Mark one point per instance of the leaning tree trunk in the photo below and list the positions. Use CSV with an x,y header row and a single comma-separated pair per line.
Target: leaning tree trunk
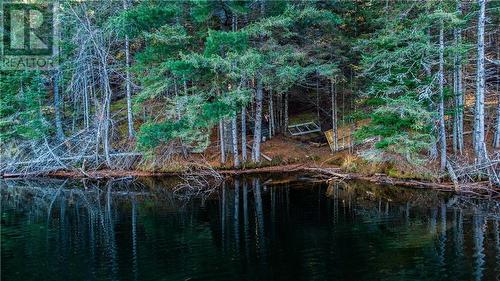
x,y
128,82
234,132
442,129
258,121
479,142
458,124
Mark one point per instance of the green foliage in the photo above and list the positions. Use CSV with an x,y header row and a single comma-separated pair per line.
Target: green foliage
x,y
201,74
146,16
404,127
198,115
219,42
166,42
22,106
194,63
397,62
329,70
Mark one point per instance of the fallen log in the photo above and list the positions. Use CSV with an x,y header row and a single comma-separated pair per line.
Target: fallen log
x,y
379,179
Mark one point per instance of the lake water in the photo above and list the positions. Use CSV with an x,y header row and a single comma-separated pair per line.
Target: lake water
x,y
263,228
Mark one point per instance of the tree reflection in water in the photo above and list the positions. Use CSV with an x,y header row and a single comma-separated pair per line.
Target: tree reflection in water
x,y
249,228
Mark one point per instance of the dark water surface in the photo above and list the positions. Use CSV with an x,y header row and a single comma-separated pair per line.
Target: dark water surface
x,y
250,229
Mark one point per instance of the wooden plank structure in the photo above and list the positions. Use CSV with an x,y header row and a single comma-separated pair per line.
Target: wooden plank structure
x,y
304,128
344,139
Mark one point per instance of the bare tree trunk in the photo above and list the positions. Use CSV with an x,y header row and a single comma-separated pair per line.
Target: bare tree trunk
x,y
280,112
74,115
496,139
458,124
129,90
285,127
128,82
56,80
86,108
222,142
258,121
228,137
259,96
234,120
57,106
234,131
244,134
334,116
343,119
317,101
433,150
271,115
479,142
442,129
177,107
107,118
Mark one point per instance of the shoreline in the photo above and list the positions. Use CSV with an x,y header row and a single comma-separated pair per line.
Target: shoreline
x,y
326,174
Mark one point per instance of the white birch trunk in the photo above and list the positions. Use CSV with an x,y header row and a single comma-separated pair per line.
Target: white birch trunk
x,y
244,134
442,129
458,127
259,95
479,142
128,82
222,142
280,112
257,137
234,131
107,118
